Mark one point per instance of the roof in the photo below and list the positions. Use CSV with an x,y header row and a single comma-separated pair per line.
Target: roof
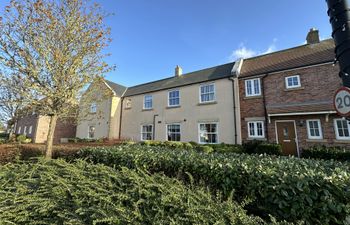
x,y
308,106
305,55
117,88
214,73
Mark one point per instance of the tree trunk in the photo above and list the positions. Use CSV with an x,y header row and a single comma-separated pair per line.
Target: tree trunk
x,y
50,135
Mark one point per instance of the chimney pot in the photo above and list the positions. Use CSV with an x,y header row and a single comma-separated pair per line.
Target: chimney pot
x,y
178,71
313,36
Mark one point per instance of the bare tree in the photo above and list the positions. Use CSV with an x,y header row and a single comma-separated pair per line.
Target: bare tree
x,y
51,49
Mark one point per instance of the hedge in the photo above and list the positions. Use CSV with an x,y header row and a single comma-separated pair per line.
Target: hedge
x,y
57,192
323,152
317,192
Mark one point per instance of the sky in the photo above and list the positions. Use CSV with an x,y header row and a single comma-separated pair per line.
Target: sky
x,y
151,37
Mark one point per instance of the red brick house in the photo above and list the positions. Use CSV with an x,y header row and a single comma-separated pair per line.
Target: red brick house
x,y
286,97
36,128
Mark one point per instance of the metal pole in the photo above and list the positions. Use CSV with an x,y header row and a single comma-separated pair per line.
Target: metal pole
x,y
339,13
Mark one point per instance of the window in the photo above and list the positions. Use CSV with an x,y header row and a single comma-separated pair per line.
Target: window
x,y
30,130
93,108
91,132
25,130
174,98
173,132
252,87
146,132
148,102
314,130
207,93
208,133
342,129
19,130
256,129
293,81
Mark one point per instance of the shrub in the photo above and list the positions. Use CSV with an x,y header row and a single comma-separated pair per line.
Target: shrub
x,y
21,138
58,192
204,148
323,152
317,192
227,148
250,147
270,149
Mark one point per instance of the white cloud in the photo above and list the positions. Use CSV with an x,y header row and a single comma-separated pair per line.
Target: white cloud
x,y
243,52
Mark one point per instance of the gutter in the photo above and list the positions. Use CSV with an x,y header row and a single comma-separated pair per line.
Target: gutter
x,y
234,109
121,117
154,126
265,109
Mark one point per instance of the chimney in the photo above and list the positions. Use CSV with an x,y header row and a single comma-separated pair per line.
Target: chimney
x,y
178,71
313,37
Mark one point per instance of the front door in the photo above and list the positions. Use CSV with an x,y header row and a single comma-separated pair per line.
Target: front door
x,y
287,137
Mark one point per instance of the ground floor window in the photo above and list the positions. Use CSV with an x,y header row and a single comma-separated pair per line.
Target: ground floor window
x,y
342,129
19,130
91,132
208,133
30,130
256,129
173,132
146,132
314,130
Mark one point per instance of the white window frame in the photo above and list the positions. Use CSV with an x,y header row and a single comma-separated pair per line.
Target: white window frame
x,y
146,132
89,131
319,127
217,132
144,102
25,130
292,86
93,107
30,130
167,132
128,103
256,129
337,131
169,98
19,130
254,93
200,93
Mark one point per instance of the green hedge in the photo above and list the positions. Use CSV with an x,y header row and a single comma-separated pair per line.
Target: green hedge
x,y
323,152
261,147
57,192
317,192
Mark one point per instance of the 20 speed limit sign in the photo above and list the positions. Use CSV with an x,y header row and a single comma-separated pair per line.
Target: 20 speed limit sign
x,y
342,101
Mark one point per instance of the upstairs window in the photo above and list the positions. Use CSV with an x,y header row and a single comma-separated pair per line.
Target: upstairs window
x,y
91,134
93,108
342,129
148,102
256,129
128,103
293,81
207,93
146,132
252,87
174,98
314,130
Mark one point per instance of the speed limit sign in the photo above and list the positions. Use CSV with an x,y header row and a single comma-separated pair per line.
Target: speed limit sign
x,y
342,101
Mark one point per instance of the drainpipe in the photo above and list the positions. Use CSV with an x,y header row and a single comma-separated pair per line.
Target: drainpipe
x,y
154,126
121,118
234,108
264,102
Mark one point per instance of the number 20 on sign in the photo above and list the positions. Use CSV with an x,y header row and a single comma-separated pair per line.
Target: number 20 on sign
x,y
342,101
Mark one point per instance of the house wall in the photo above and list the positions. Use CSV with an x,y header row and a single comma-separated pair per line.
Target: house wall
x,y
188,115
27,121
318,85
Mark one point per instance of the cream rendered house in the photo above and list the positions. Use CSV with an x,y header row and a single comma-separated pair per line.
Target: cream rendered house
x,y
202,106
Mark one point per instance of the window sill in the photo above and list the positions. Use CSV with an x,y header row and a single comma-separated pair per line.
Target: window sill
x,y
173,107
145,110
316,140
342,141
294,89
207,103
257,138
253,97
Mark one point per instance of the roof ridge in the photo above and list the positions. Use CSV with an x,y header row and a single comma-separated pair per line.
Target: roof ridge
x,y
287,49
185,74
115,83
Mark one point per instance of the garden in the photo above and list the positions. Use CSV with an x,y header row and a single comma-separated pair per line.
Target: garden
x,y
173,183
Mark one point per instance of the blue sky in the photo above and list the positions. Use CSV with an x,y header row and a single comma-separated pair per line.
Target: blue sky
x,y
151,37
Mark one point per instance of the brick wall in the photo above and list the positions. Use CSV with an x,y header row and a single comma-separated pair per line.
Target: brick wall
x,y
27,121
